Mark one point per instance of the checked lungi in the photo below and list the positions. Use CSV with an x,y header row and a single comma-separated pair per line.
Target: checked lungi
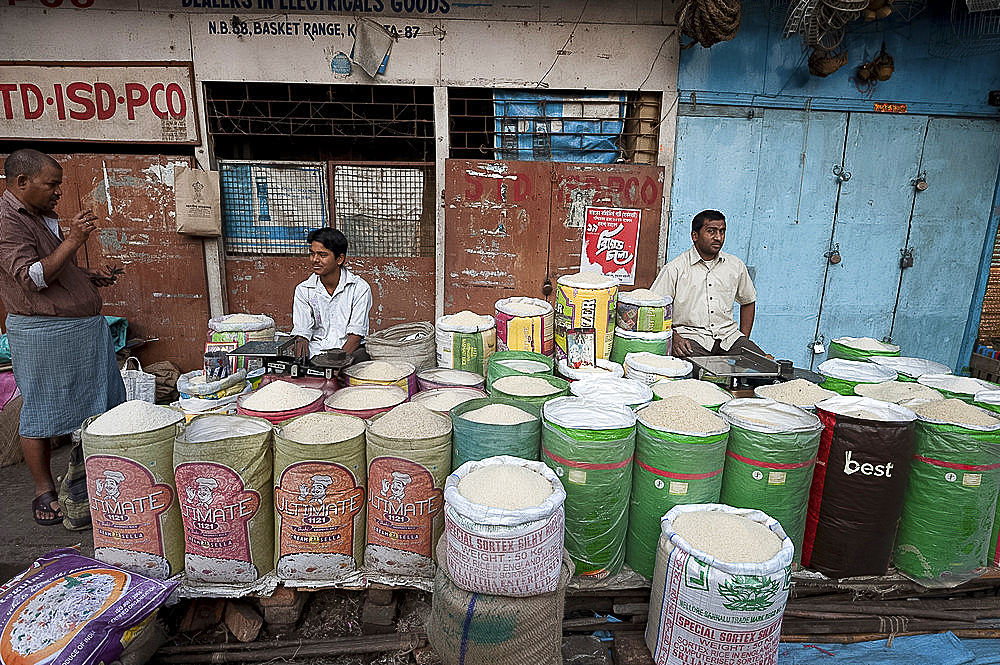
x,y
66,370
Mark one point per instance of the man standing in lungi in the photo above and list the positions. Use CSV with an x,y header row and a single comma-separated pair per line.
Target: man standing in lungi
x,y
60,345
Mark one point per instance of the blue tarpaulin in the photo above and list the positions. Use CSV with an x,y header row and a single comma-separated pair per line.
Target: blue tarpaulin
x,y
937,649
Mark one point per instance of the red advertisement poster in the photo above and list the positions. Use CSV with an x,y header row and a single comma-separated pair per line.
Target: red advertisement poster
x,y
610,238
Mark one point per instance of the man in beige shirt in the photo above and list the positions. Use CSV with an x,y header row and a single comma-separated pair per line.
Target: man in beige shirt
x,y
704,282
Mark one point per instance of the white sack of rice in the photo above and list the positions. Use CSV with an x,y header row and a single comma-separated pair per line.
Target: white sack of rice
x,y
498,414
506,486
956,412
525,386
323,428
410,420
588,279
133,417
797,392
727,537
680,414
897,391
668,364
963,385
701,392
446,399
364,398
468,319
866,344
525,366
379,370
280,396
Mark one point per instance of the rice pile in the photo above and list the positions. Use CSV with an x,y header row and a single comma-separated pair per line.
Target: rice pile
x,y
644,294
280,396
526,366
523,308
681,414
323,428
505,486
525,386
451,377
498,414
797,392
133,417
244,318
587,279
410,420
897,391
446,399
467,319
728,537
865,344
666,363
701,392
955,412
379,370
364,398
957,384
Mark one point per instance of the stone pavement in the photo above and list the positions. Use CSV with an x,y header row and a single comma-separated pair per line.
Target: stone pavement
x,y
21,540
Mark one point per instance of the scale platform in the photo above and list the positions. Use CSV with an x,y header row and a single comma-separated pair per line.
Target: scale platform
x,y
744,368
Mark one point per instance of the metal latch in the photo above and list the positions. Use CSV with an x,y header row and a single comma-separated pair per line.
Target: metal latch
x,y
833,256
840,173
817,346
905,258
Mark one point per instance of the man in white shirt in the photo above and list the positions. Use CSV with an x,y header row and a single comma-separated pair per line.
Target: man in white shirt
x,y
330,309
704,282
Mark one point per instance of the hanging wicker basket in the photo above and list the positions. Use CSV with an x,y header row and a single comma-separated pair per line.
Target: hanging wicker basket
x,y
824,63
883,65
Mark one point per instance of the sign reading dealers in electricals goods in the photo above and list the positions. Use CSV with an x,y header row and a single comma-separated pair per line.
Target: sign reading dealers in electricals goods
x,y
134,103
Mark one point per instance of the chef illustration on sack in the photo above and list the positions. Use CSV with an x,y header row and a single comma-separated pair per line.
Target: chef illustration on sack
x,y
395,490
203,494
316,492
110,485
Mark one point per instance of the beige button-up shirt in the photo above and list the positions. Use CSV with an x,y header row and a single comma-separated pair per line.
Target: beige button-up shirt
x,y
704,294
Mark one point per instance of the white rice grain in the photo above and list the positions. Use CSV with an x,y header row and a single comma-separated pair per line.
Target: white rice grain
x,y
379,370
680,414
365,398
498,414
727,537
525,366
410,420
701,392
467,319
133,417
956,412
588,279
505,486
525,386
896,391
446,399
323,428
797,392
523,308
280,396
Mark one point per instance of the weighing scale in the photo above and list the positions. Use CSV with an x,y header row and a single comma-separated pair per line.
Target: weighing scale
x,y
278,357
747,370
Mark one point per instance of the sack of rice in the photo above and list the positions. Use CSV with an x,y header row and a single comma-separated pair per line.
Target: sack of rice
x,y
280,400
642,310
770,460
382,373
495,426
964,388
194,384
651,367
626,342
680,449
842,376
797,392
705,393
508,363
897,392
524,324
586,300
950,503
600,368
409,458
465,341
720,587
365,401
70,609
442,377
196,406
504,526
536,389
910,369
223,468
319,497
629,392
413,343
987,399
863,461
241,328
860,348
466,628
130,481
590,445
444,400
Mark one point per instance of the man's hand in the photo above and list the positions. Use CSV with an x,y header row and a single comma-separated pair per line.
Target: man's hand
x,y
81,225
681,347
101,280
301,349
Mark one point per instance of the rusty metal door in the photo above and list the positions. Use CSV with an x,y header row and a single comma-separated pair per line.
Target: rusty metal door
x,y
511,227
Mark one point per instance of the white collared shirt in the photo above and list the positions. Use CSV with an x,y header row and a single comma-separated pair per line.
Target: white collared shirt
x,y
704,294
326,320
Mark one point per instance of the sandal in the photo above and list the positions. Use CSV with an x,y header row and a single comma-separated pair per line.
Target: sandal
x,y
43,505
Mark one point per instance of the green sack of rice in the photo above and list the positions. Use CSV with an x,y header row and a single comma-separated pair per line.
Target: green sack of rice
x,y
841,376
860,348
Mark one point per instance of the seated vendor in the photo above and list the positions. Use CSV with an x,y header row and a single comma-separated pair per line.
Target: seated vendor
x,y
330,309
704,282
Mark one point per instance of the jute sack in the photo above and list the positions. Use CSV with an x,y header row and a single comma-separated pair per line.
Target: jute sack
x,y
223,469
466,628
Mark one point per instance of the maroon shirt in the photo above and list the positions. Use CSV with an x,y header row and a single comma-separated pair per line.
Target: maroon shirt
x,y
24,239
